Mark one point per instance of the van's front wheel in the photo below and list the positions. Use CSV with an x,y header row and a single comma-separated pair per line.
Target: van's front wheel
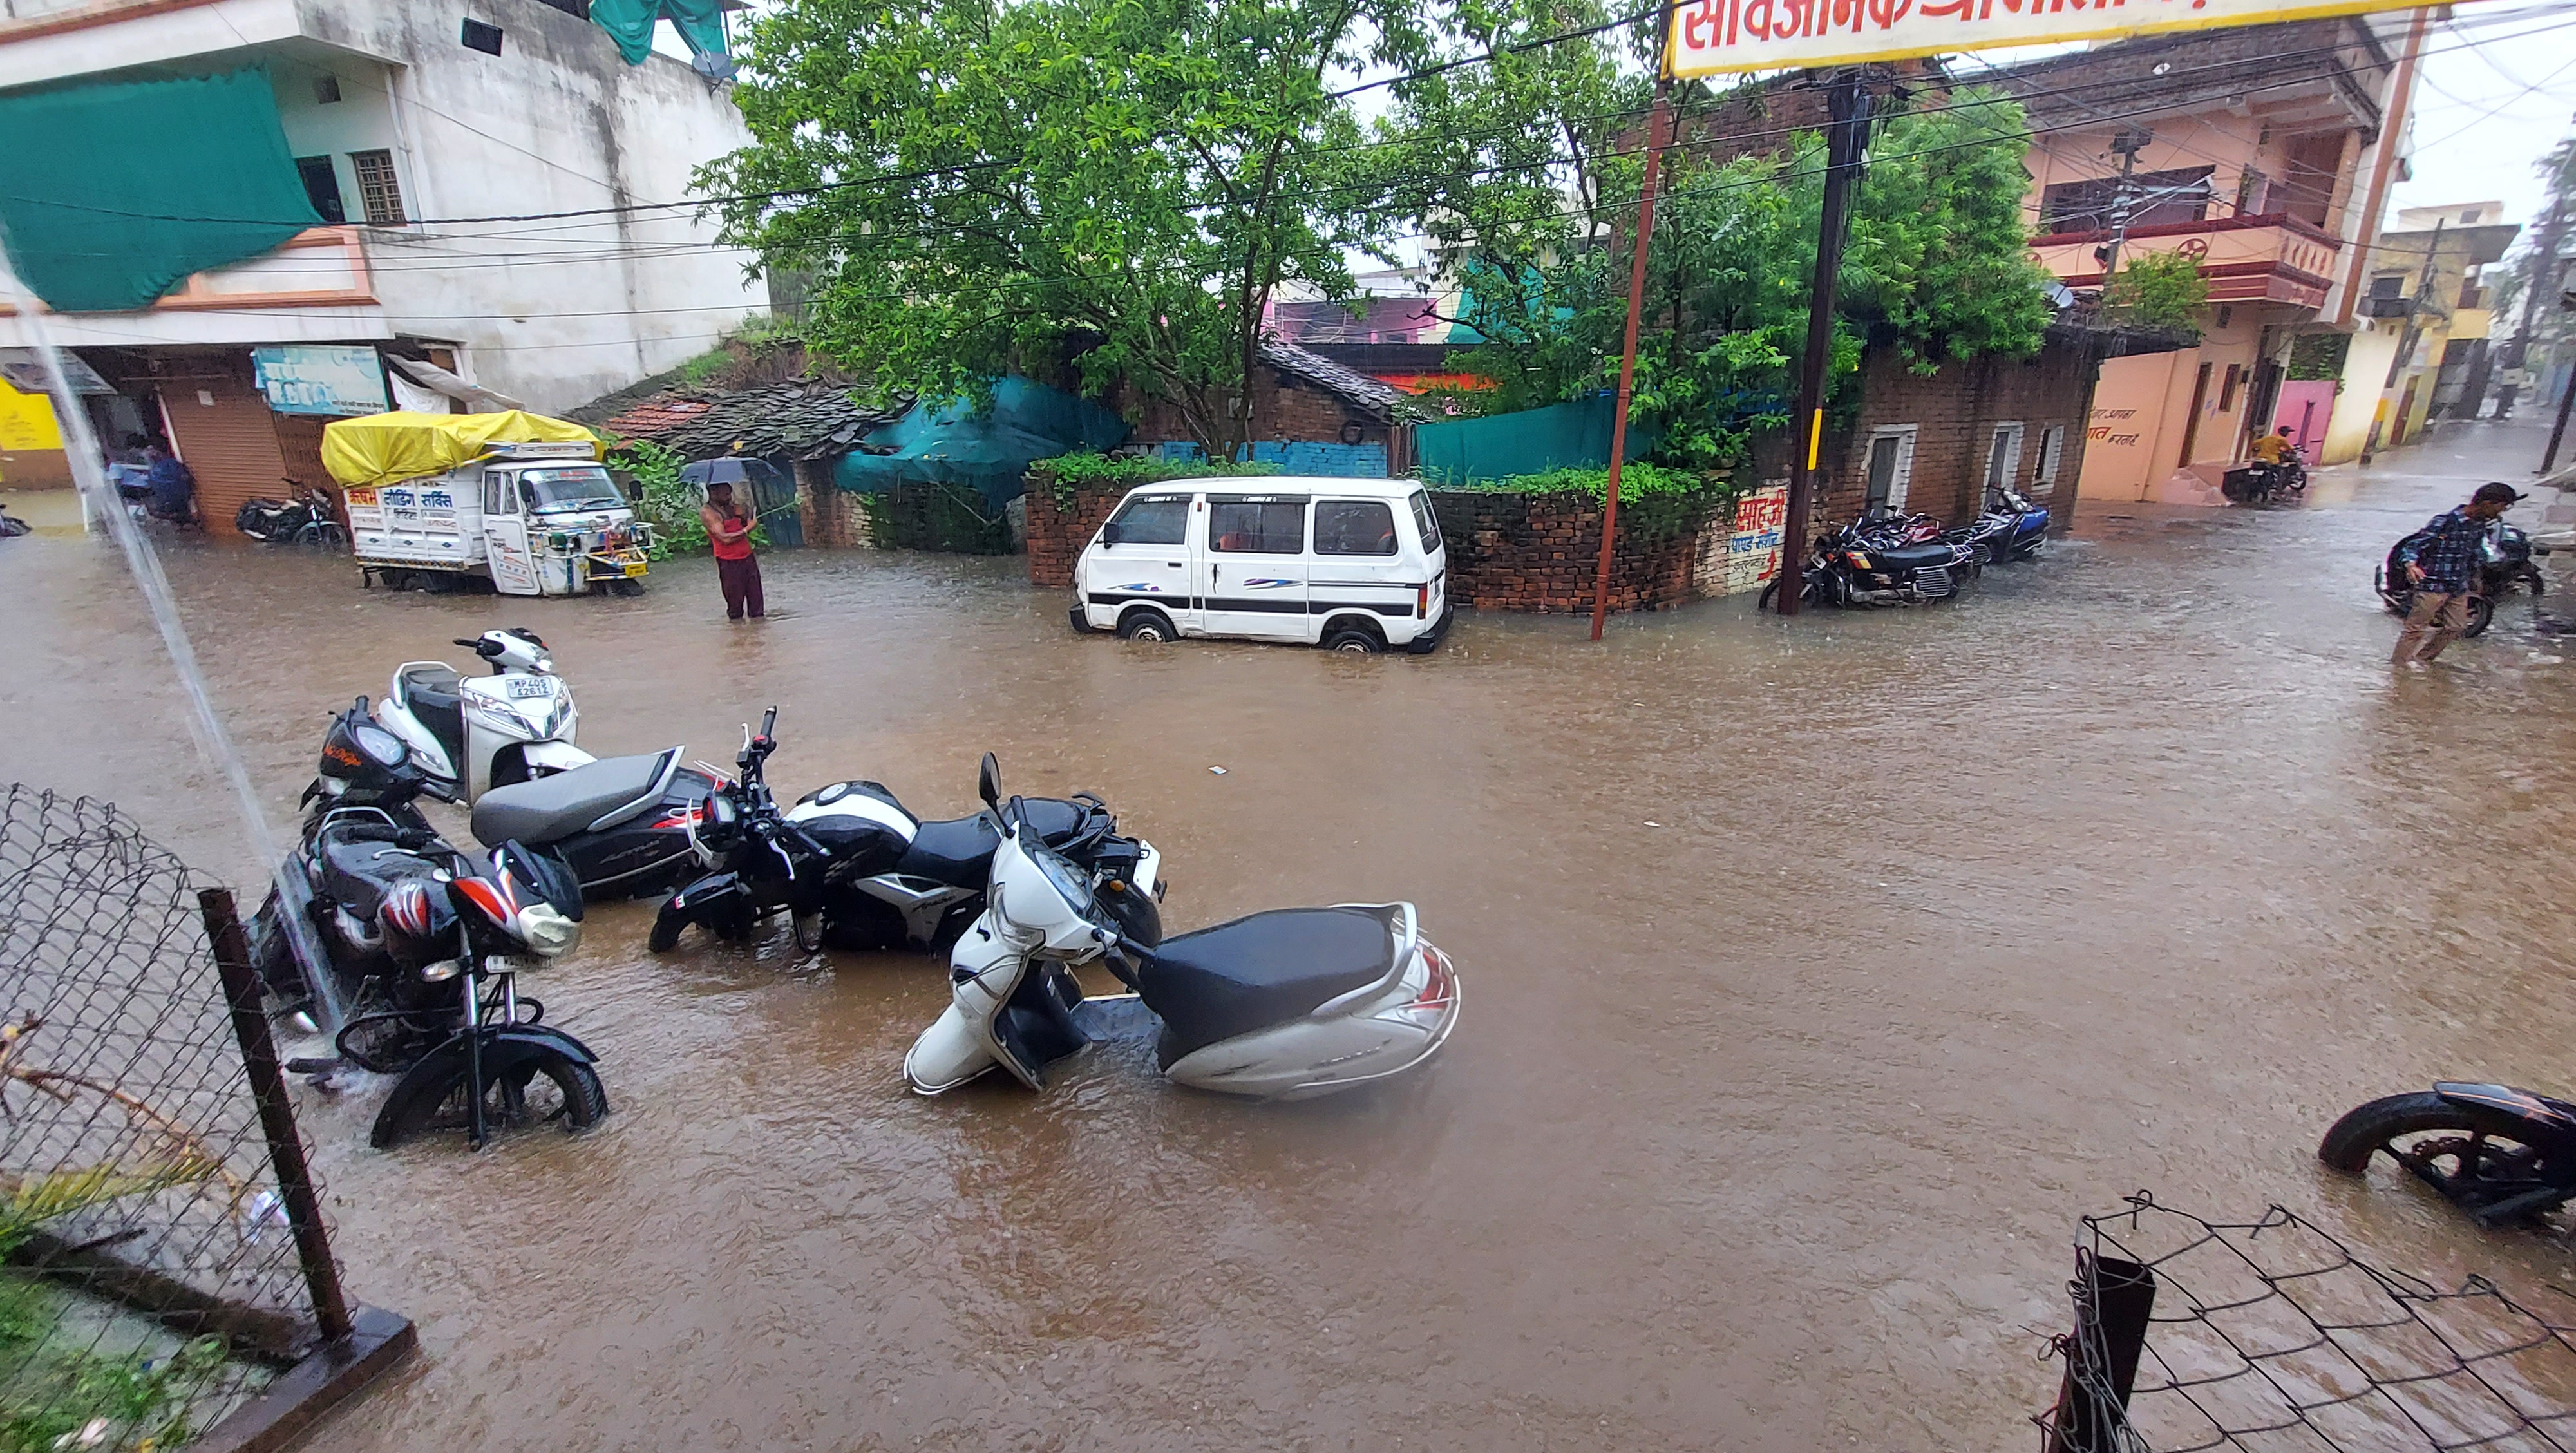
x,y
1146,625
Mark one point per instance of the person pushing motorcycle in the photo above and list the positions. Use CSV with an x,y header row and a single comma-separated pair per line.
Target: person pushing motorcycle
x,y
2440,560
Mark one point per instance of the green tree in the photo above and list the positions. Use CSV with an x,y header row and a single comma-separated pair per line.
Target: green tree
x,y
1936,267
2158,290
979,186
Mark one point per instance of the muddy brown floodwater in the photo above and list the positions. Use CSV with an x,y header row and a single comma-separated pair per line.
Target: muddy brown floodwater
x,y
1818,976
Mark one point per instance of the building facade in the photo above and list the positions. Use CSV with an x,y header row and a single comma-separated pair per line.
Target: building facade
x,y
2263,155
498,208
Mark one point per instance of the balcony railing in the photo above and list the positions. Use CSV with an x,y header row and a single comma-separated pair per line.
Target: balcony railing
x,y
320,267
2265,258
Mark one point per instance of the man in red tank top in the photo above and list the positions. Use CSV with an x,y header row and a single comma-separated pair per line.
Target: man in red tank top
x,y
729,530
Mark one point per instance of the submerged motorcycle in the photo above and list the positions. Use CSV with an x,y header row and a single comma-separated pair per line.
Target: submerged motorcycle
x,y
854,869
477,733
2505,561
2502,1155
622,823
1285,1005
408,950
1850,568
470,932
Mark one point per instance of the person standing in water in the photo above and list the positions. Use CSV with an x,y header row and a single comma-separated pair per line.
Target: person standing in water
x,y
729,531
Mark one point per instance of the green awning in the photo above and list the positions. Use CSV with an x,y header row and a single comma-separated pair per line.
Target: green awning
x,y
115,191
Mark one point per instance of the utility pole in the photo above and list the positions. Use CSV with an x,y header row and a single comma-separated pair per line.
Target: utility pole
x,y
2128,143
2558,431
1845,141
2406,337
2543,283
1659,134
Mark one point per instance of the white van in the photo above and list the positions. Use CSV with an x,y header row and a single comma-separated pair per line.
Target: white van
x,y
1351,564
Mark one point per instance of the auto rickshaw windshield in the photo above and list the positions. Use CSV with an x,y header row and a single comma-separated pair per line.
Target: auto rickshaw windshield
x,y
580,486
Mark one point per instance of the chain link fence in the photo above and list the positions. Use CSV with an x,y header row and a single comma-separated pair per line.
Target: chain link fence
x,y
2271,1335
165,1260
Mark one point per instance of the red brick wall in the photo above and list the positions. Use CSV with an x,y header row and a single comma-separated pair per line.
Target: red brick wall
x,y
1282,408
1057,534
1954,412
1541,553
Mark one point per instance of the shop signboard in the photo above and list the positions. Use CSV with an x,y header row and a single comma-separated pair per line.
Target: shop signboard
x,y
336,382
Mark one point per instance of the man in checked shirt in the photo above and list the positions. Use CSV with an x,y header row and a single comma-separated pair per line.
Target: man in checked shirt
x,y
2441,560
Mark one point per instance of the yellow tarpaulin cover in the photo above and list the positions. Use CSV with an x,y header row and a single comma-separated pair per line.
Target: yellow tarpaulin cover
x,y
390,448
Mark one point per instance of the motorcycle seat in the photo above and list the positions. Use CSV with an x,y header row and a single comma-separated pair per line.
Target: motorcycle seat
x,y
592,797
434,695
1217,983
1912,557
959,851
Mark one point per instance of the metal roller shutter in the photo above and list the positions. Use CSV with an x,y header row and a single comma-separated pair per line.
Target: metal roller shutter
x,y
224,432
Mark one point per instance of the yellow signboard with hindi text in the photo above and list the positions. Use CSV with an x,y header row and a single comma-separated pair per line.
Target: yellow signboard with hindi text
x,y
1718,37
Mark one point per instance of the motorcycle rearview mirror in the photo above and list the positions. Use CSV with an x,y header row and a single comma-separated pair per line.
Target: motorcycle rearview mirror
x,y
988,782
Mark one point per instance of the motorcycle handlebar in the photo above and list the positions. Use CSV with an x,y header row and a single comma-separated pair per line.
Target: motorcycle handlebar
x,y
768,721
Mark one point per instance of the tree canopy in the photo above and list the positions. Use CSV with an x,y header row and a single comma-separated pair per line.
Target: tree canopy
x,y
1124,186
981,185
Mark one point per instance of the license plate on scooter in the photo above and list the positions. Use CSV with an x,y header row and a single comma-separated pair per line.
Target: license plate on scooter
x,y
634,569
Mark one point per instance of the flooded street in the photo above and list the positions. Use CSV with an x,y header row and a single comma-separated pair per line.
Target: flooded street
x,y
1818,976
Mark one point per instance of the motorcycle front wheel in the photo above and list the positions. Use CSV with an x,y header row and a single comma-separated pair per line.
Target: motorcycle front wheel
x,y
1808,594
2474,1157
537,1090
2481,616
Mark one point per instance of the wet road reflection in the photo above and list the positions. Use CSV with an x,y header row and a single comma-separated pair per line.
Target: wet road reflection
x,y
1819,977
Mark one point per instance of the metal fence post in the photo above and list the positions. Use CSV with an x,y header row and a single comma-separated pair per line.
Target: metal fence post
x,y
276,1114
2113,1298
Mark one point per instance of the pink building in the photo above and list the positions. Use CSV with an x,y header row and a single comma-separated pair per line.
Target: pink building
x,y
2262,154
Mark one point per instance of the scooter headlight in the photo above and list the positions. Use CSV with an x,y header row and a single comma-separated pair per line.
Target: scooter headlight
x,y
546,930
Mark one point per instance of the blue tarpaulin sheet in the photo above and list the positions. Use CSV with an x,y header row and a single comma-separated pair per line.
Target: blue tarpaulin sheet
x,y
948,444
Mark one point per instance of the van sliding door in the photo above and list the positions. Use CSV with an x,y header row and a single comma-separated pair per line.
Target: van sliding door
x,y
1256,566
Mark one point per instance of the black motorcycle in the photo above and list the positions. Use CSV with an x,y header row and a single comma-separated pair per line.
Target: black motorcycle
x,y
2505,562
308,518
1854,567
471,933
623,823
853,868
2501,1154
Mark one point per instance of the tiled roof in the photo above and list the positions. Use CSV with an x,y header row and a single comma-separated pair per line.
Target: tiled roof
x,y
803,418
1379,400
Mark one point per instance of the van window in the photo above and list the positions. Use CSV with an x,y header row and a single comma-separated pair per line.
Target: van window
x,y
1239,526
1154,520
1425,522
1354,527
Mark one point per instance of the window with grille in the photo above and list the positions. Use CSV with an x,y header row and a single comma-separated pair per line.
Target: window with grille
x,y
378,193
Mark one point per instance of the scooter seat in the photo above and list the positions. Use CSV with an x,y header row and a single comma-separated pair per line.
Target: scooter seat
x,y
434,694
959,851
1263,970
590,798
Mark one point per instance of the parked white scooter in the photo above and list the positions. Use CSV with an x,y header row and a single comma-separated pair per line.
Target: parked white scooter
x,y
1284,1005
477,733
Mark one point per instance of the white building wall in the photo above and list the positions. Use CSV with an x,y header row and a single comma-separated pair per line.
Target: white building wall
x,y
550,312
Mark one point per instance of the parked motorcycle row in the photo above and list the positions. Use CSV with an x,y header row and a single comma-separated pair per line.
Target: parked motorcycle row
x,y
1885,558
406,949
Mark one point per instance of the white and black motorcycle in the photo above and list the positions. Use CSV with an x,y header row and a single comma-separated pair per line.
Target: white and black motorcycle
x,y
1285,1005
481,732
